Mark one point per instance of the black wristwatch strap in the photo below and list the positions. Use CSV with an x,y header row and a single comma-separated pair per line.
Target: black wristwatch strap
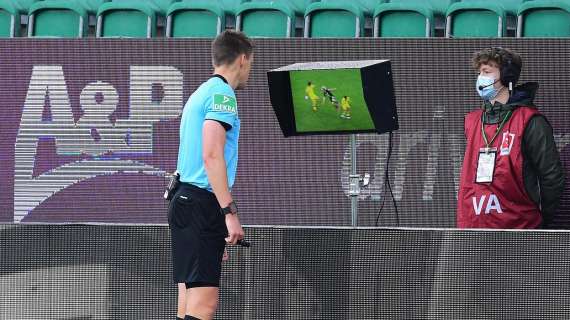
x,y
230,209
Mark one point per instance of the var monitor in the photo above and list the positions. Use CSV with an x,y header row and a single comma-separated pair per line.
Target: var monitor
x,y
334,97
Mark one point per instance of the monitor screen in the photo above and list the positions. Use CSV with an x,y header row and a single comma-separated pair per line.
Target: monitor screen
x,y
333,97
329,100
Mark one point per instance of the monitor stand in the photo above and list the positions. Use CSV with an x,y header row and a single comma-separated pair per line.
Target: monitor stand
x,y
355,182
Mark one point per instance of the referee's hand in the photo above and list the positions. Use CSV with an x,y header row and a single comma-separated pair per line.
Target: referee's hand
x,y
235,231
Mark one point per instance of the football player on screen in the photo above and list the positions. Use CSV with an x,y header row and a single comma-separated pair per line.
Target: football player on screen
x,y
328,94
345,105
310,95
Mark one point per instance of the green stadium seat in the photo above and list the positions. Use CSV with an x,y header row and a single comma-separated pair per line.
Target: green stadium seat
x,y
266,19
404,19
544,18
9,19
476,19
129,19
57,18
334,19
195,19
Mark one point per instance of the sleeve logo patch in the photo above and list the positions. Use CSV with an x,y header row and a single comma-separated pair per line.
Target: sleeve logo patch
x,y
223,103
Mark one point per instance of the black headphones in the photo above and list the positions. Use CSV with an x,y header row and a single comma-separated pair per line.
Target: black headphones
x,y
510,71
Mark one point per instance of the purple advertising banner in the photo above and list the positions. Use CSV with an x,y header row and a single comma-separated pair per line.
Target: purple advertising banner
x,y
89,128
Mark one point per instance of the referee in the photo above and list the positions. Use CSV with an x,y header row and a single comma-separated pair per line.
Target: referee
x,y
202,215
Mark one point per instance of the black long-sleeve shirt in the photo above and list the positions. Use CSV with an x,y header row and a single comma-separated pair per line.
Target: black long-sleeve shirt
x,y
543,174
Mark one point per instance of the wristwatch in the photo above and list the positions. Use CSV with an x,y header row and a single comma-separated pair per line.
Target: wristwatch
x,y
230,209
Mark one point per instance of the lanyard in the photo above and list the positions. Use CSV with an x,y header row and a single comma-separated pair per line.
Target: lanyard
x,y
488,144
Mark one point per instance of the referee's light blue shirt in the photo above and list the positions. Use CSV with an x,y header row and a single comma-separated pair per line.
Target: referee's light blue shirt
x,y
213,100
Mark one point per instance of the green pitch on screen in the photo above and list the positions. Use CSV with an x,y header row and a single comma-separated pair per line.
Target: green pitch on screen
x,y
326,116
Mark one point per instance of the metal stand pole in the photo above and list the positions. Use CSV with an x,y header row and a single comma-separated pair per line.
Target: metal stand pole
x,y
354,181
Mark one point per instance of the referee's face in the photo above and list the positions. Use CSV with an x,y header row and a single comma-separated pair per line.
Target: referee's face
x,y
245,67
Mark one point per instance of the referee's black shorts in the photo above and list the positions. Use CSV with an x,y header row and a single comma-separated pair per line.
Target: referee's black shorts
x,y
197,230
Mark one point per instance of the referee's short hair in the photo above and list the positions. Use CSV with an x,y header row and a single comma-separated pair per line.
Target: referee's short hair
x,y
229,45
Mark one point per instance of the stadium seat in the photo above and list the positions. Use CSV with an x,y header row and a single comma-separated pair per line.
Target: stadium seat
x,y
199,18
544,18
266,19
10,16
9,19
129,19
195,19
57,18
334,18
482,19
404,19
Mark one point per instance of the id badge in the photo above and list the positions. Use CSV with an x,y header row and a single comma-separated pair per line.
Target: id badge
x,y
486,165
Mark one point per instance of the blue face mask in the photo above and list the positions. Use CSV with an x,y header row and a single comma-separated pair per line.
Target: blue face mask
x,y
488,92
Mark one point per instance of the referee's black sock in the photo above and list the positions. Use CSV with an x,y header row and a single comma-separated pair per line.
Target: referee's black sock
x,y
189,317
178,318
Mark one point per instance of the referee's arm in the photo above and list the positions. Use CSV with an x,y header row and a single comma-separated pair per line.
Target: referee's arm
x,y
214,140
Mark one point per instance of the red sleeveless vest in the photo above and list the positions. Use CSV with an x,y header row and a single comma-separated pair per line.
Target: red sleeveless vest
x,y
504,202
